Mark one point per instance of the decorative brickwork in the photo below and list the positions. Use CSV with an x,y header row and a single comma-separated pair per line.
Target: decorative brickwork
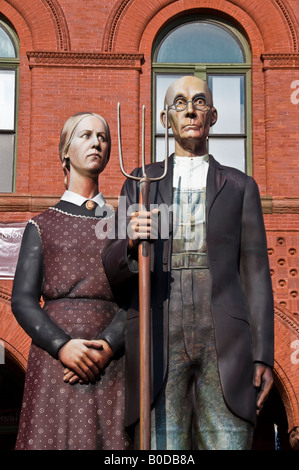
x,y
77,59
283,249
280,61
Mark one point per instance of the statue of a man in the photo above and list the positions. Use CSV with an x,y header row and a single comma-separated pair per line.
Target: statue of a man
x,y
211,295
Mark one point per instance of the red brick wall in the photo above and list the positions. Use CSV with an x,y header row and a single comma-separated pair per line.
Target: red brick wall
x,y
92,57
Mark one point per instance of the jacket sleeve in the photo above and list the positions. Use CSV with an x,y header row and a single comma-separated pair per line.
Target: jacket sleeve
x,y
120,268
26,294
255,275
119,265
115,333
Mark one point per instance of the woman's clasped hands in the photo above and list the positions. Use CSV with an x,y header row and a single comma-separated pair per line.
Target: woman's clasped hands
x,y
84,360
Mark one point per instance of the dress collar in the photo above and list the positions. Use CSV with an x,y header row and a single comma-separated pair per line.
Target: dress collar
x,y
78,200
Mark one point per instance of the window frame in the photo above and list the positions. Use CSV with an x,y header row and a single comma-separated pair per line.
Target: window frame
x,y
203,70
13,64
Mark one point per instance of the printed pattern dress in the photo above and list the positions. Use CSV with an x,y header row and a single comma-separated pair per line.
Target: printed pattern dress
x,y
56,415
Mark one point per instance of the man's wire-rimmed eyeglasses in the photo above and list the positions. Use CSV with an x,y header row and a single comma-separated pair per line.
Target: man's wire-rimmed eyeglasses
x,y
199,102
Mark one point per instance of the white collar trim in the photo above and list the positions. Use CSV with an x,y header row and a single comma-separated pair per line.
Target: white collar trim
x,y
78,200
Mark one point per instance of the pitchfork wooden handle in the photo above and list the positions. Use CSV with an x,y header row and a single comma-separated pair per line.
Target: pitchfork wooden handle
x,y
144,251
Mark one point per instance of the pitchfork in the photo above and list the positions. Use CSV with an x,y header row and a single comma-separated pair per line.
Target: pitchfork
x,y
144,284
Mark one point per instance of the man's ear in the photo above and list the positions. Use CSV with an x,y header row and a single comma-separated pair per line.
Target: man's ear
x,y
214,117
163,118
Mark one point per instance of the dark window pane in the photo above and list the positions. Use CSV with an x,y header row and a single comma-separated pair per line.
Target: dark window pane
x,y
6,159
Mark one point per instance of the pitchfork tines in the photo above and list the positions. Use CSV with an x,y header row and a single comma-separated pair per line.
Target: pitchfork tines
x,y
144,176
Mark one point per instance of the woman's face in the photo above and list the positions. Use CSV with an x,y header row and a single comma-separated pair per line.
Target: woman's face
x,y
89,148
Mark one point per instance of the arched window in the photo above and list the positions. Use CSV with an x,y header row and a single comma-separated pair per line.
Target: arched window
x,y
9,63
215,51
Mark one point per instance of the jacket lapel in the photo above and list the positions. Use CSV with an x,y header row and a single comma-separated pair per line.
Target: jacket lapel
x,y
215,182
165,185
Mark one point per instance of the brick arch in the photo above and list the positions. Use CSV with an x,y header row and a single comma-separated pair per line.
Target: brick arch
x,y
46,22
15,340
20,25
117,15
286,367
61,28
240,19
291,21
123,32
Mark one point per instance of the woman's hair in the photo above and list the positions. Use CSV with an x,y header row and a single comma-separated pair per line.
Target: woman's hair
x,y
67,135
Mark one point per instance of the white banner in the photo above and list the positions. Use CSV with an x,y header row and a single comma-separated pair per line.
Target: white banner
x,y
10,242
